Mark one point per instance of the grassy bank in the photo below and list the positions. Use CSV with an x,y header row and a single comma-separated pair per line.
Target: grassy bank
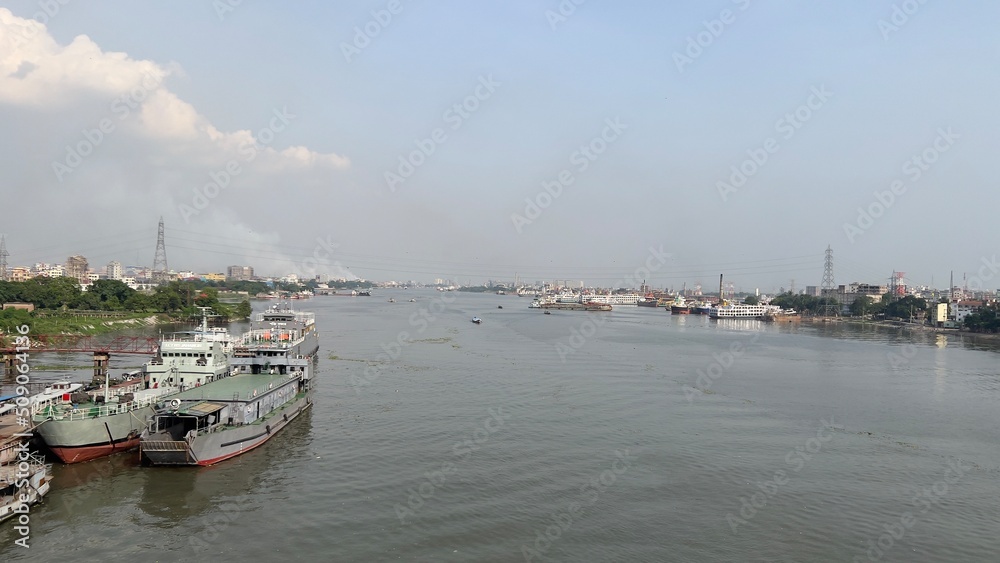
x,y
78,325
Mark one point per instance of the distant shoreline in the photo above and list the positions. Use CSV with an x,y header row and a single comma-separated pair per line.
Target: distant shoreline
x,y
989,337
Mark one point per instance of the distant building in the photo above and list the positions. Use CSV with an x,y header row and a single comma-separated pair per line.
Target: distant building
x,y
813,290
76,267
214,277
114,270
239,273
846,295
938,314
20,274
50,271
962,309
26,306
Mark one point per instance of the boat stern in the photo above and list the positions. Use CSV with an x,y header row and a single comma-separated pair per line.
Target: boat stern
x,y
166,452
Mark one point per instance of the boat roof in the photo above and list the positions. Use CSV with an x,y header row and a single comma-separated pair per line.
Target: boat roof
x,y
8,397
226,388
203,408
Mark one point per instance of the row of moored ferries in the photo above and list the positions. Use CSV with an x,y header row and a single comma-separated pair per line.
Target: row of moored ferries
x,y
677,305
204,397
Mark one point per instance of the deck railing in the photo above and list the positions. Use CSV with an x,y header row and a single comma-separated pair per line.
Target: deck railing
x,y
67,412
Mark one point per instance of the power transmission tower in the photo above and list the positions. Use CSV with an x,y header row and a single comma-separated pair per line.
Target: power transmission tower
x,y
160,260
829,308
3,258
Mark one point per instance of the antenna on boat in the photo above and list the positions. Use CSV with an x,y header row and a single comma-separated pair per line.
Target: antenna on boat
x,y
204,318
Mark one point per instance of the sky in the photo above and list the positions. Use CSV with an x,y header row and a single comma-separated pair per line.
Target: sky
x,y
582,140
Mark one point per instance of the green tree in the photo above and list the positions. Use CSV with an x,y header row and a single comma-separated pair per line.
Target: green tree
x,y
243,310
986,319
111,294
861,306
905,307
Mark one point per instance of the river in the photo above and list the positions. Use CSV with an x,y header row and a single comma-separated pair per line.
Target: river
x,y
630,435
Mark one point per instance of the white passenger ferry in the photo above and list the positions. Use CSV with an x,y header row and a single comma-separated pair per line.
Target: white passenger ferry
x,y
742,311
613,299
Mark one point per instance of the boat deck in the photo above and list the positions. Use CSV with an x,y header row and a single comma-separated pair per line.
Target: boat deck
x,y
226,388
10,426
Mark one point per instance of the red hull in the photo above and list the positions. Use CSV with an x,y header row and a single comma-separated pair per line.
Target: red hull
x,y
80,454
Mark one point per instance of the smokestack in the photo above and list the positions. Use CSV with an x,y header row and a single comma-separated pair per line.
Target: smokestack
x,y
720,290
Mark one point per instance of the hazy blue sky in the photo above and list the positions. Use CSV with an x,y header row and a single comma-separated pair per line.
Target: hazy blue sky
x,y
883,86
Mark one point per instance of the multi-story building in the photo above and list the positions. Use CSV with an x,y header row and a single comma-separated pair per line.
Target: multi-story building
x,y
76,267
846,295
962,309
213,277
114,270
239,273
20,274
938,314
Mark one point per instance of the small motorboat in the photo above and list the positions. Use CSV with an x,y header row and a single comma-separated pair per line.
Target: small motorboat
x,y
548,312
477,320
499,306
413,300
391,300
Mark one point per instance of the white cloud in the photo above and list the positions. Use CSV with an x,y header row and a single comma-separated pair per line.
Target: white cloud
x,y
156,150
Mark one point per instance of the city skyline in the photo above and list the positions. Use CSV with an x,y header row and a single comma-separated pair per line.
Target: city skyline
x,y
671,280
552,145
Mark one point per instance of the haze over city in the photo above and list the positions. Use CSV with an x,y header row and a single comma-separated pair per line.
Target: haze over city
x,y
475,141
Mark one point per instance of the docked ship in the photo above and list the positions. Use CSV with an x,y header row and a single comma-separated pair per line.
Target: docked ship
x,y
588,306
228,417
742,311
782,316
111,419
24,476
648,300
612,298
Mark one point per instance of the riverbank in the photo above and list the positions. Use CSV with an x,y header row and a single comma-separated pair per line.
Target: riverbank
x,y
78,325
992,339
